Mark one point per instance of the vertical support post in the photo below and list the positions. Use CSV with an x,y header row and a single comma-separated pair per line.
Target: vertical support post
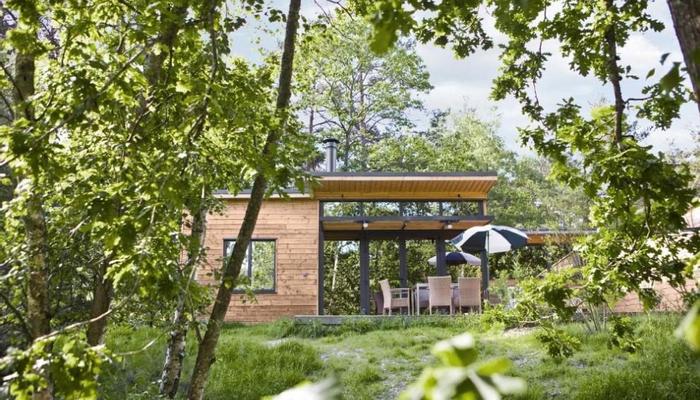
x,y
485,275
440,256
321,260
364,274
403,265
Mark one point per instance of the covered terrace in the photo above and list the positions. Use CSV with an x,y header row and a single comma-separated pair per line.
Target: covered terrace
x,y
364,207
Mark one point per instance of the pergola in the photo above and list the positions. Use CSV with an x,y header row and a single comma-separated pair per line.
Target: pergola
x,y
398,206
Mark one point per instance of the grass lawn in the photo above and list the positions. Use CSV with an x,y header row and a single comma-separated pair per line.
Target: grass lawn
x,y
377,361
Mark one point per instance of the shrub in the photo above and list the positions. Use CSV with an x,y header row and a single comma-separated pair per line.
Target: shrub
x,y
554,290
622,334
497,315
558,343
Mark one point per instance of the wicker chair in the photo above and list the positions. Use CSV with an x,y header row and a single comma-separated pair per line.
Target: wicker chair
x,y
469,293
440,289
395,298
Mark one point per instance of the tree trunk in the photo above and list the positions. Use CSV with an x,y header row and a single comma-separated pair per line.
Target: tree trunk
x,y
614,74
686,21
102,297
175,352
170,24
104,291
38,315
346,157
38,293
205,353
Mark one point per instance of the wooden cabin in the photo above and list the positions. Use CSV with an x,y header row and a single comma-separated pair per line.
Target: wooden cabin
x,y
284,266
285,261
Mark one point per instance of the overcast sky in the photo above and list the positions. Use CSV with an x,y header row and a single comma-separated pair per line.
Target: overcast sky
x,y
467,82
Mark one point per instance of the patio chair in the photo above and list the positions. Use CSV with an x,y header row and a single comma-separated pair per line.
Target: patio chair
x,y
469,293
394,298
440,292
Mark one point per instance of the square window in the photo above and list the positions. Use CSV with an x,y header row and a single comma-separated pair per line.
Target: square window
x,y
258,267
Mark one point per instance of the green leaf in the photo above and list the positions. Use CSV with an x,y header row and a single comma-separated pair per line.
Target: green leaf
x,y
689,329
183,86
672,79
495,366
458,351
508,384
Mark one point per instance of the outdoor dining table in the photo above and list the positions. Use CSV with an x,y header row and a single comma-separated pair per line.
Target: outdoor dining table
x,y
424,287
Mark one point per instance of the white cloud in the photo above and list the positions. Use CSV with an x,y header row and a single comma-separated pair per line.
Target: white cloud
x,y
469,80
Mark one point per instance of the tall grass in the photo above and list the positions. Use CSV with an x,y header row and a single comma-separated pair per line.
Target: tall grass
x,y
248,370
245,368
131,376
377,358
664,368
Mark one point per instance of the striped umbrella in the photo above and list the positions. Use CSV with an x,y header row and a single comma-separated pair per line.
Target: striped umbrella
x,y
457,258
492,238
489,239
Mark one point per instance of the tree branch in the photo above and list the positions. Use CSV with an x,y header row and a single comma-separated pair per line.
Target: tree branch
x,y
23,324
614,71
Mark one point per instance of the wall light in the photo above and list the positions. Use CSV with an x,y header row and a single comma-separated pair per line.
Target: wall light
x,y
449,226
365,225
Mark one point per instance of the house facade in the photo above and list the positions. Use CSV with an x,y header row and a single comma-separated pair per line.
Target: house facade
x,y
283,272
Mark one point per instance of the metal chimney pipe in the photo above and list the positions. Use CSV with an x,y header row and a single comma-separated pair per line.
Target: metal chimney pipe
x,y
330,145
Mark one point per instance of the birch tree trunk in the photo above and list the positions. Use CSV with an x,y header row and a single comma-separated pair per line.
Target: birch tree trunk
x,y
686,21
38,315
175,352
205,353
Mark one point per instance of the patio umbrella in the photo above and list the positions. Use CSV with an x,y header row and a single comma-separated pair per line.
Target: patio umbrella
x,y
489,239
492,238
457,258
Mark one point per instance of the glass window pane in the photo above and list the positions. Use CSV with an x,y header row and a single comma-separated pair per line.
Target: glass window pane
x,y
421,208
243,280
381,208
456,208
263,273
341,208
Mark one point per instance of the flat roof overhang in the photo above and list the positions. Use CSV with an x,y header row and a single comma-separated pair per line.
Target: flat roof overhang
x,y
391,227
404,186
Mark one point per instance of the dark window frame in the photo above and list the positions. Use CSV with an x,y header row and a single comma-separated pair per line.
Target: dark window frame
x,y
249,272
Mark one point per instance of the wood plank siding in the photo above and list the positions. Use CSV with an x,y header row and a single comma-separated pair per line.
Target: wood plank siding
x,y
398,187
293,224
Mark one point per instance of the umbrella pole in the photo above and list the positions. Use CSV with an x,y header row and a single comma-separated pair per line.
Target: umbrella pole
x,y
485,275
485,271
